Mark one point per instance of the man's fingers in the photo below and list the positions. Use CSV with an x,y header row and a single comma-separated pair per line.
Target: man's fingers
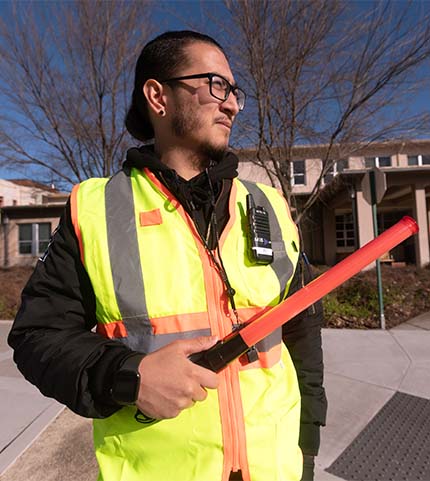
x,y
191,346
200,395
207,378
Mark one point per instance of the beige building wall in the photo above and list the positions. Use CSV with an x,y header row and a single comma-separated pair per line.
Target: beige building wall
x,y
402,160
14,194
356,163
2,244
12,257
422,238
255,173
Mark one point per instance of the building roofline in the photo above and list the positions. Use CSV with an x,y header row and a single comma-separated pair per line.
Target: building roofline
x,y
342,150
409,169
17,208
33,184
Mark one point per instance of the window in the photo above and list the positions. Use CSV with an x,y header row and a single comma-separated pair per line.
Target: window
x,y
330,174
342,165
371,162
334,169
384,161
418,159
298,174
34,238
345,231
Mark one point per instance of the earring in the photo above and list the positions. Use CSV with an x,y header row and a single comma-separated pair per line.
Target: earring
x,y
162,113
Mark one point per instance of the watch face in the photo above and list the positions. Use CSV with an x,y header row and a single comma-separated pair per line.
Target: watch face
x,y
125,387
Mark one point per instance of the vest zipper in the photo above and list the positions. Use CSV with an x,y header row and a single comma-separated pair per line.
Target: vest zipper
x,y
229,375
229,390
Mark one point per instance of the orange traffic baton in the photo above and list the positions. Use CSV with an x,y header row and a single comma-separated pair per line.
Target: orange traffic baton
x,y
247,335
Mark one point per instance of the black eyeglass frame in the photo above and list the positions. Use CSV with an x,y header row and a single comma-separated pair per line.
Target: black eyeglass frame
x,y
210,76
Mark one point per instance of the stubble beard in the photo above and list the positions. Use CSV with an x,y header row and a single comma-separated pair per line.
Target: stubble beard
x,y
184,124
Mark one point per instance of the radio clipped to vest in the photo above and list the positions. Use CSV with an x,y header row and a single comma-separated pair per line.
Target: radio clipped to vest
x,y
259,232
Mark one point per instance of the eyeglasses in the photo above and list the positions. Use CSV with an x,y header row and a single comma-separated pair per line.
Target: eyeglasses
x,y
219,87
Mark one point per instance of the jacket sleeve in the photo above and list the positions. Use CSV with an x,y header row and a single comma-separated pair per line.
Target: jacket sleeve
x,y
55,346
302,336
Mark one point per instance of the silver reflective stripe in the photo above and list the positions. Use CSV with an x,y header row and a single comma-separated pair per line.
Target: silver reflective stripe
x,y
137,341
140,342
281,264
272,340
125,257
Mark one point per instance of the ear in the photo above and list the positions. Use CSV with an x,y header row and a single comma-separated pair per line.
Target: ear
x,y
154,94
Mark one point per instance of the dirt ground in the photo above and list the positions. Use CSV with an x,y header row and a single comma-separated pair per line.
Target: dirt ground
x,y
63,452
12,282
355,304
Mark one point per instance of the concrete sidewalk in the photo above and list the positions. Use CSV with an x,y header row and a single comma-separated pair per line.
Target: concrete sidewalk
x,y
363,369
25,413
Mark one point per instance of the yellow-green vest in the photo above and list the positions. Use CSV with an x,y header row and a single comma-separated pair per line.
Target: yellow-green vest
x,y
155,283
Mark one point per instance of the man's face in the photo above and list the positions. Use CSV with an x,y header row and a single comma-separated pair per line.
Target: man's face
x,y
200,122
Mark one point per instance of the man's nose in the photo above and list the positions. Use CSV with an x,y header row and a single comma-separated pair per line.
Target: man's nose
x,y
230,104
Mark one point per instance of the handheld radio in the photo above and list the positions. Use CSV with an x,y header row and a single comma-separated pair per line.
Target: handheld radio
x,y
259,232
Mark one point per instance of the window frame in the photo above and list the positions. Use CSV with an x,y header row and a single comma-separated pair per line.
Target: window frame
x,y
334,170
37,245
377,162
342,244
420,160
293,175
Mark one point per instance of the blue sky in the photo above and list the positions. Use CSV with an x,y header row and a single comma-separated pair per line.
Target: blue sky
x,y
186,14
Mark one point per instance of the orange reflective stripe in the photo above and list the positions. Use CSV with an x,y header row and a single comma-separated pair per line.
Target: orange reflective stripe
x,y
232,211
240,416
287,207
74,214
181,211
180,323
217,303
112,330
249,314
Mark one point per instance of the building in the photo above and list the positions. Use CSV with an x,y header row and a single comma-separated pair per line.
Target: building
x,y
338,223
29,211
342,219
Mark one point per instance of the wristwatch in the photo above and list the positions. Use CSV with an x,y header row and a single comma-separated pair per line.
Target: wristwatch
x,y
126,381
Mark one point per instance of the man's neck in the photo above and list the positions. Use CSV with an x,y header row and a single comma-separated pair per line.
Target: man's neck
x,y
186,163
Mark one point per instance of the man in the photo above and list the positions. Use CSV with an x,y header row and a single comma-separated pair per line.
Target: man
x,y
158,259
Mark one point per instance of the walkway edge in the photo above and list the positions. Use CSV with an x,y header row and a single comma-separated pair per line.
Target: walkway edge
x,y
28,436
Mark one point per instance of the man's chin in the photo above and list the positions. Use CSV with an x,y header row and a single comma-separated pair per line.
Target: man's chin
x,y
214,152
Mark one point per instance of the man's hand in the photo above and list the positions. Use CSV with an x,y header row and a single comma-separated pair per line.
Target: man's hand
x,y
170,382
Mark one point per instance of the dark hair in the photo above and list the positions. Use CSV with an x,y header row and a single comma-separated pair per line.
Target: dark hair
x,y
159,59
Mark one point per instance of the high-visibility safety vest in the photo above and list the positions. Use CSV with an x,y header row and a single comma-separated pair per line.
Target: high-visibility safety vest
x,y
155,283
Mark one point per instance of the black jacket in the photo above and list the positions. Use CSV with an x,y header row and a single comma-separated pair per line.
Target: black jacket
x,y
56,348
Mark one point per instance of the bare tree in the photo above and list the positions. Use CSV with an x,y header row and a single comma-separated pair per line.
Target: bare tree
x,y
324,72
65,81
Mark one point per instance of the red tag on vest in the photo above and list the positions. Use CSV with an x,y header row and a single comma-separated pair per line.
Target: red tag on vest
x,y
150,217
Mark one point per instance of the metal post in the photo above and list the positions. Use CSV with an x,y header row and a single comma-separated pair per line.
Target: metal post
x,y
353,196
378,262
